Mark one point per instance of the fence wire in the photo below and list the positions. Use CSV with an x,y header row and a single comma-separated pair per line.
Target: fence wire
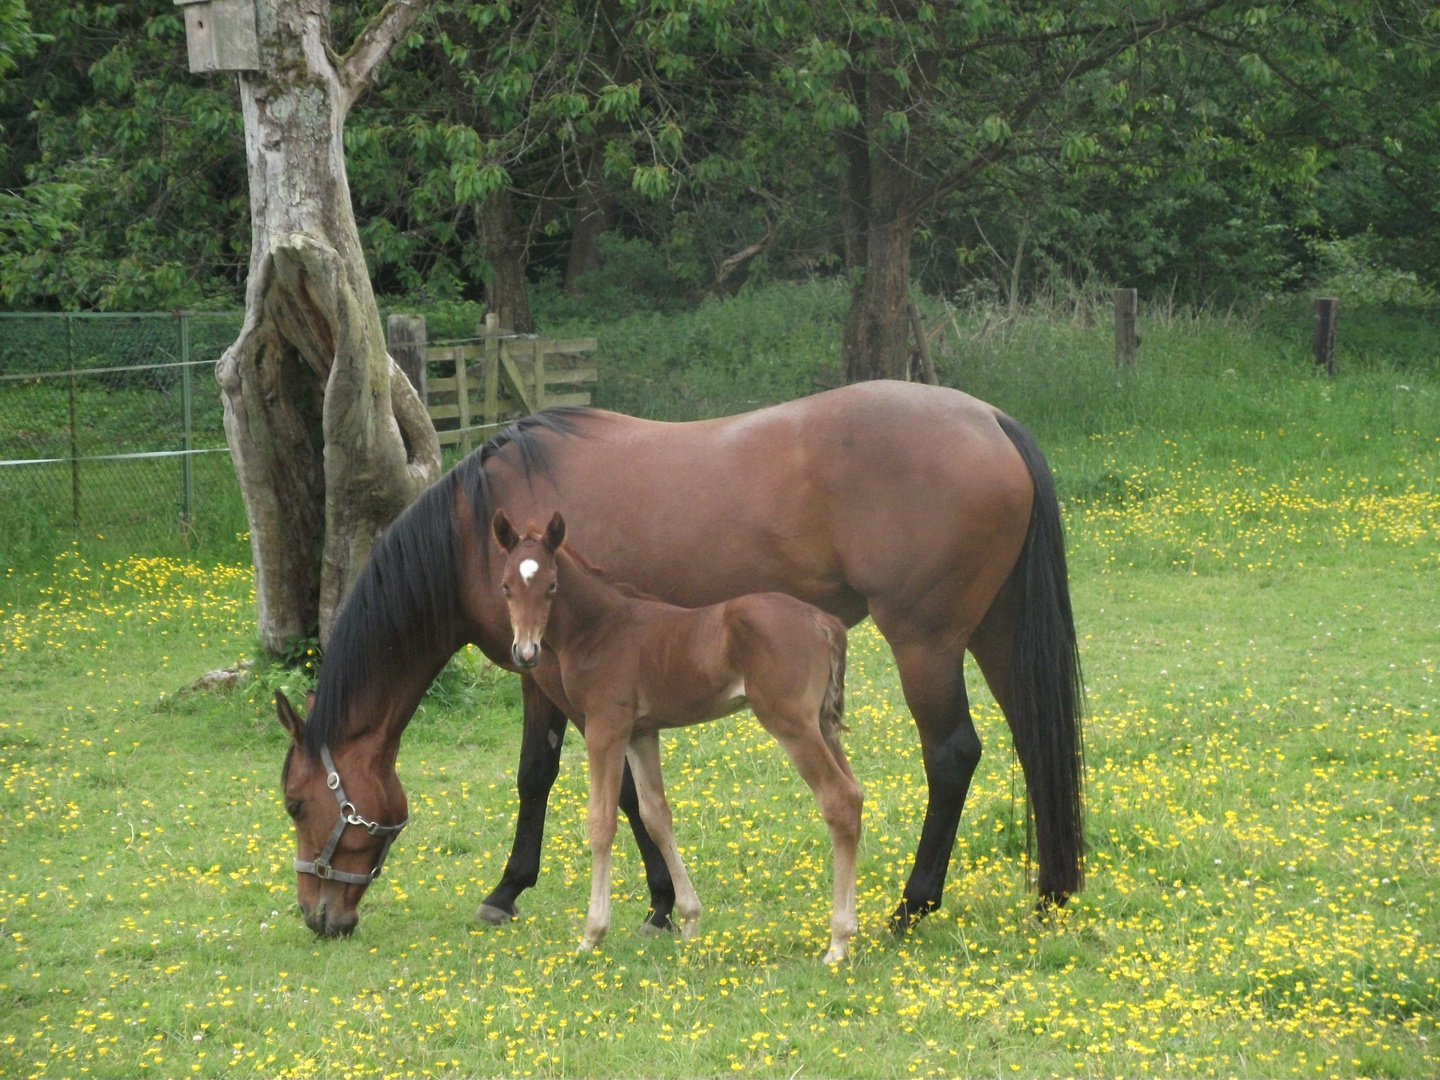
x,y
112,425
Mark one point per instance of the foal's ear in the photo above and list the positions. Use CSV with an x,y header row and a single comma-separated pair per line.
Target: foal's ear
x,y
504,532
555,533
288,718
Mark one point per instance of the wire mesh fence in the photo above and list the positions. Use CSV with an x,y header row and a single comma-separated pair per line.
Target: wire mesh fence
x,y
111,424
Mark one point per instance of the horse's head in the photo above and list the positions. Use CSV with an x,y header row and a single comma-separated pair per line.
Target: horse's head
x,y
529,582
348,807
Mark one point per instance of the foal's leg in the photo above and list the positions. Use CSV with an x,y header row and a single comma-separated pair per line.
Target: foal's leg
x,y
605,747
540,743
797,728
644,758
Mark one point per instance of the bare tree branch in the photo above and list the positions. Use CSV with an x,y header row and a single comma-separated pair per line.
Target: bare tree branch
x,y
374,43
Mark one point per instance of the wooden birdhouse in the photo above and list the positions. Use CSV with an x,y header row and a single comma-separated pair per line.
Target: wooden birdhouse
x,y
221,35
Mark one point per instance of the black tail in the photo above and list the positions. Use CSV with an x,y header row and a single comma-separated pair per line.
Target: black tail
x,y
1045,717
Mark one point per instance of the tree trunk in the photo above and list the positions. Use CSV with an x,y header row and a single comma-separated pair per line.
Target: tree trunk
x,y
329,439
875,343
854,148
501,240
594,211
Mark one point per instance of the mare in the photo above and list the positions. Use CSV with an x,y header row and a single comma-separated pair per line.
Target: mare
x,y
628,666
926,509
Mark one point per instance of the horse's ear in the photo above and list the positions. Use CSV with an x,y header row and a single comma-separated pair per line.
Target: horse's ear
x,y
309,702
504,532
555,533
288,718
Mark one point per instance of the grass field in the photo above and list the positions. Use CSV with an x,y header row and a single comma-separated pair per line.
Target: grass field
x,y
1256,568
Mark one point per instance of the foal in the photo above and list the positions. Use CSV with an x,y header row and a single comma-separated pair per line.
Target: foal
x,y
629,666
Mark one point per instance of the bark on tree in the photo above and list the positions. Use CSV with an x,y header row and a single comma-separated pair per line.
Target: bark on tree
x,y
505,250
329,439
594,213
879,199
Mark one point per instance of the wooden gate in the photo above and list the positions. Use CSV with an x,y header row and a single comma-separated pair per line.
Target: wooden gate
x,y
500,376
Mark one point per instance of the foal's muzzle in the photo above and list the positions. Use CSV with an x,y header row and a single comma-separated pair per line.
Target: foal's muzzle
x,y
527,656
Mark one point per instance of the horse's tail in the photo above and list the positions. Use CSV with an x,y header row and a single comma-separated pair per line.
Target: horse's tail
x,y
832,705
1048,697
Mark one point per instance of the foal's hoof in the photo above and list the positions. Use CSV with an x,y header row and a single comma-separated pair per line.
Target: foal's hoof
x,y
493,915
908,913
835,956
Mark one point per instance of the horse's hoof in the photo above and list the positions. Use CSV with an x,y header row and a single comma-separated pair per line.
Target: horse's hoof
x,y
493,915
835,956
689,928
906,916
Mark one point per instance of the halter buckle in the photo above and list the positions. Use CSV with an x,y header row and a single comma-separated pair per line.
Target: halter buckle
x,y
333,780
322,870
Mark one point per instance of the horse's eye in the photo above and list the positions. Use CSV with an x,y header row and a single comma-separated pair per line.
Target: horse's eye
x,y
551,589
293,807
505,589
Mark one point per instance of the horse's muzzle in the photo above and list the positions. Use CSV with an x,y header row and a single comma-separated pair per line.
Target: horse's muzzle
x,y
320,922
522,660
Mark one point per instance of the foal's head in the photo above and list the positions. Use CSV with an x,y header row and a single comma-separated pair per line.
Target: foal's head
x,y
529,582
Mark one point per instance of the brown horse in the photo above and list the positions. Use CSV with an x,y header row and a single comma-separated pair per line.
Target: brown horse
x,y
930,511
630,666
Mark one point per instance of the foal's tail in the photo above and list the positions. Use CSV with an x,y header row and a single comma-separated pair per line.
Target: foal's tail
x,y
1045,715
832,705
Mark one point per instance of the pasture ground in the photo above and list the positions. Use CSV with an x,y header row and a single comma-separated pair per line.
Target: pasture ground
x,y
1255,561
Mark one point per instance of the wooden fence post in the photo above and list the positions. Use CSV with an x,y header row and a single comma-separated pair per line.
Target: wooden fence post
x,y
406,334
492,368
1127,303
462,399
922,343
1326,310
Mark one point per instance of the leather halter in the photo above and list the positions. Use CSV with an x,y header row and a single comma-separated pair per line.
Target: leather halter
x,y
321,867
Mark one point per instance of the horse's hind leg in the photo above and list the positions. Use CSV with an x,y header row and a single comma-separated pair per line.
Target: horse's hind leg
x,y
540,743
643,756
934,686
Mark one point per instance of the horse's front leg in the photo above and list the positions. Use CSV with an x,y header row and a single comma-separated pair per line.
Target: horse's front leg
x,y
605,747
540,742
644,758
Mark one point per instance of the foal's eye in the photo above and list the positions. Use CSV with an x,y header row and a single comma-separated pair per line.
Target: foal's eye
x,y
551,590
293,808
505,589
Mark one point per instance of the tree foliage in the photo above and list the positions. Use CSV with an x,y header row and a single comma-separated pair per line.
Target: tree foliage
x,y
1204,149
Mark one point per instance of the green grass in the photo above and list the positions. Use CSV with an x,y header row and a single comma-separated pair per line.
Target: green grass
x,y
1255,562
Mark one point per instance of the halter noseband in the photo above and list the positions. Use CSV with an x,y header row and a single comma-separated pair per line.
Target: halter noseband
x,y
321,867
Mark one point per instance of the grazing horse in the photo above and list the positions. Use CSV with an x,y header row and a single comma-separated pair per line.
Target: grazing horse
x,y
628,666
924,508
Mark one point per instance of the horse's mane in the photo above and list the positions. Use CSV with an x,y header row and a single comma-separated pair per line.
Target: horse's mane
x,y
405,606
